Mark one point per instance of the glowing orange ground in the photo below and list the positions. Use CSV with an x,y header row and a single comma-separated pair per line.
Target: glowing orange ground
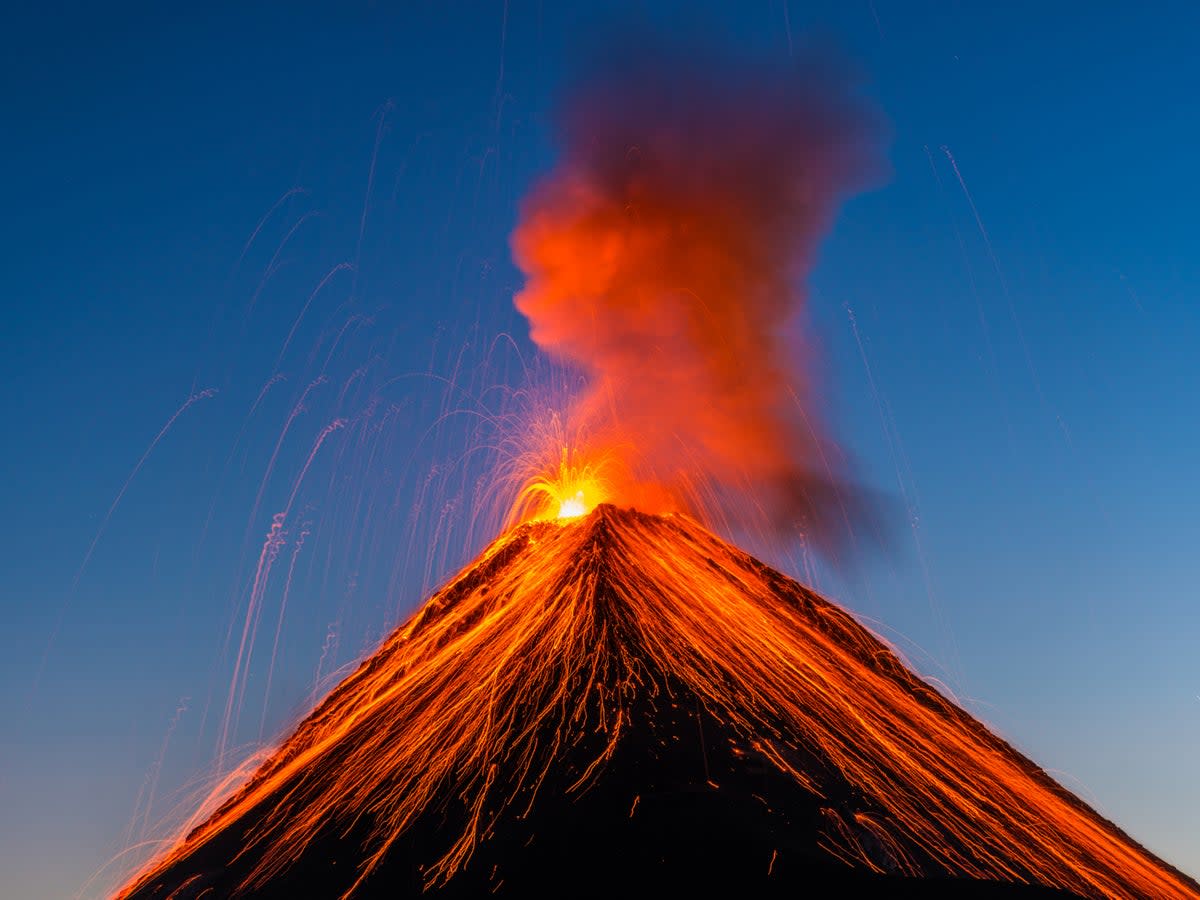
x,y
549,639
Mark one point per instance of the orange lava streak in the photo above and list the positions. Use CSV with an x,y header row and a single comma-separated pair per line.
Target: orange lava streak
x,y
558,626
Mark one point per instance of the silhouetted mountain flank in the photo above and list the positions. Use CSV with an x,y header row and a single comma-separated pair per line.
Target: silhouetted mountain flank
x,y
625,705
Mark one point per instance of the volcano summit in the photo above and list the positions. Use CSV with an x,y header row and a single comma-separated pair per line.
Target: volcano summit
x,y
625,703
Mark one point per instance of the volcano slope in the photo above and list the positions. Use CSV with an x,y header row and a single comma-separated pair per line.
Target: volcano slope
x,y
623,703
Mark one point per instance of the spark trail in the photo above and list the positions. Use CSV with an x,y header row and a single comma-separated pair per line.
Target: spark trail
x,y
87,557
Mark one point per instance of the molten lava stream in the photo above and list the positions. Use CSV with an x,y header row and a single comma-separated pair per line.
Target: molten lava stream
x,y
549,648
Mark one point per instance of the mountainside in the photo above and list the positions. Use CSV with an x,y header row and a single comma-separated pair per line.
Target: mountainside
x,y
624,702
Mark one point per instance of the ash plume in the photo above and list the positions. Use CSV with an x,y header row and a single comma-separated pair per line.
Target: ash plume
x,y
665,257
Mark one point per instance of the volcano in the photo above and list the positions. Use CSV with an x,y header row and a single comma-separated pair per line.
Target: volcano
x,y
624,704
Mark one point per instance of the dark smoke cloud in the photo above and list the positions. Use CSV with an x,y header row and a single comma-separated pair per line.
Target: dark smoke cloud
x,y
667,252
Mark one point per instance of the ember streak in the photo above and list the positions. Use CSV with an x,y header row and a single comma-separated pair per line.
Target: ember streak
x,y
573,646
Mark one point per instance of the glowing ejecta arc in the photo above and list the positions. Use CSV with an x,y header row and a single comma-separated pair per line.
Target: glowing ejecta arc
x,y
570,488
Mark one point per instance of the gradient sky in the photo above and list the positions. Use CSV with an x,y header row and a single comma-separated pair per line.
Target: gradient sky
x,y
1008,326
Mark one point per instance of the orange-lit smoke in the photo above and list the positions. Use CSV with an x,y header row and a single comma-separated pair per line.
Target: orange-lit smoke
x,y
665,256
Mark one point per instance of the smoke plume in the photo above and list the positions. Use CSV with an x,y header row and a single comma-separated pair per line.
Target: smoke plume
x,y
666,256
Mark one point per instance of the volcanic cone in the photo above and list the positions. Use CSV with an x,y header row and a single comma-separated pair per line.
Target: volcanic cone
x,y
624,704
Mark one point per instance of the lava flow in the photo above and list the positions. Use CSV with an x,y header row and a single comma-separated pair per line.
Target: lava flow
x,y
621,696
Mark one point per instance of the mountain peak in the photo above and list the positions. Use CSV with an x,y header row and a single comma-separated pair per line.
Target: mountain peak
x,y
625,698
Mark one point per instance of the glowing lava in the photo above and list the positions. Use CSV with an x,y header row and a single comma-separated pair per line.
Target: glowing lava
x,y
572,488
556,669
573,507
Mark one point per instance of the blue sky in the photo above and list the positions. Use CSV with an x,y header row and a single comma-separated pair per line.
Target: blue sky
x,y
1009,357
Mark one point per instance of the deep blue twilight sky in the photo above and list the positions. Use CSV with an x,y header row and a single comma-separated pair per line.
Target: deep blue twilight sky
x,y
1025,390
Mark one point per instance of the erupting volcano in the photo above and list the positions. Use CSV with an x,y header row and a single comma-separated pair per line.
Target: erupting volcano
x,y
620,701
614,701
